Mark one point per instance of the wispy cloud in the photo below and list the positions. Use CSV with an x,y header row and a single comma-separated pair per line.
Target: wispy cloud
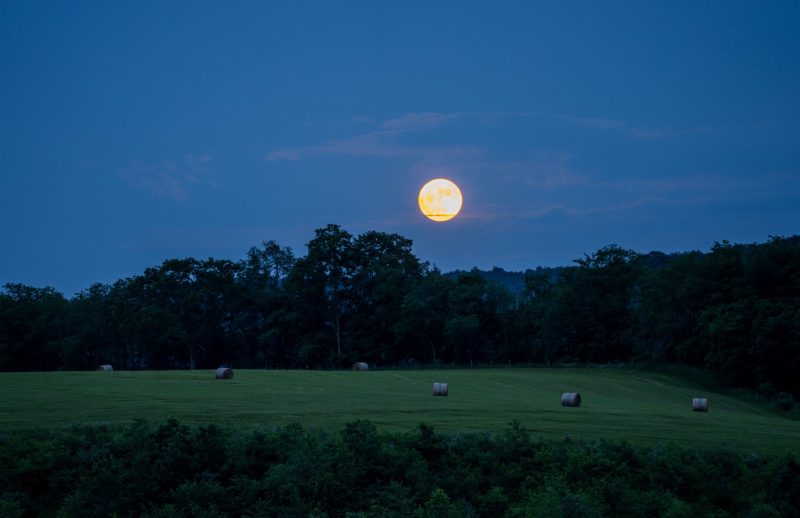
x,y
418,120
284,154
198,169
552,170
593,123
541,170
643,133
449,162
382,143
559,210
693,183
170,179
385,142
633,130
376,143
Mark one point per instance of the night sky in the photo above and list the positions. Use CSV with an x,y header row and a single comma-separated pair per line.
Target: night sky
x,y
133,132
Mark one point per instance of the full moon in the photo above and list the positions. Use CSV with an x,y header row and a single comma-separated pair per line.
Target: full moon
x,y
440,199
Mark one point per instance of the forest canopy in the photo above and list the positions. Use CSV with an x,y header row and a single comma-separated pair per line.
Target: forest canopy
x,y
734,310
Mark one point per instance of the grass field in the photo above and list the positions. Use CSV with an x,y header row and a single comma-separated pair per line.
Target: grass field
x,y
642,407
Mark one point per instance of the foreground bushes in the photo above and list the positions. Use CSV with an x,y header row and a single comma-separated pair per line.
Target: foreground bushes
x,y
179,470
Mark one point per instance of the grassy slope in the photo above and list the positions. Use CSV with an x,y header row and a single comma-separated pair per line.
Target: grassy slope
x,y
642,407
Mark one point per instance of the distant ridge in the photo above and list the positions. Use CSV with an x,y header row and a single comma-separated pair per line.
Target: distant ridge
x,y
512,281
515,281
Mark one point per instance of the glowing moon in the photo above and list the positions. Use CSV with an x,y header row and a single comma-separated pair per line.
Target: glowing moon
x,y
440,199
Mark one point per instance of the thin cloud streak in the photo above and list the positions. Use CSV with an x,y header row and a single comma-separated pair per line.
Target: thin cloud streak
x,y
661,133
411,121
593,123
635,131
169,179
547,210
379,143
375,143
285,154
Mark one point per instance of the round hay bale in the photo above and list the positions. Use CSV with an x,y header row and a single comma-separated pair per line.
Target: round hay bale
x,y
700,404
106,368
570,399
440,389
360,366
224,373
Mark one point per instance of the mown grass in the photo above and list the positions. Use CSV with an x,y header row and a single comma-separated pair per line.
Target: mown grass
x,y
639,406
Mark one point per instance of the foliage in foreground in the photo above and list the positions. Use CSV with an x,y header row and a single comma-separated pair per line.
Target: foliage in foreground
x,y
177,470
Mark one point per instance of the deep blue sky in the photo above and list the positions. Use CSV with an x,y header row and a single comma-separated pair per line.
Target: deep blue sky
x,y
132,132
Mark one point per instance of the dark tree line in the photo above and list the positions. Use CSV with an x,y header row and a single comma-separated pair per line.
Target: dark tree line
x,y
734,310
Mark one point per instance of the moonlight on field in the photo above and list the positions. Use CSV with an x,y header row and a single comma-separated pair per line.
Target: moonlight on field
x,y
440,200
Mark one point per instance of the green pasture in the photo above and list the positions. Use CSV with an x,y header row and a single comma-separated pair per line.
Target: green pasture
x,y
641,407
